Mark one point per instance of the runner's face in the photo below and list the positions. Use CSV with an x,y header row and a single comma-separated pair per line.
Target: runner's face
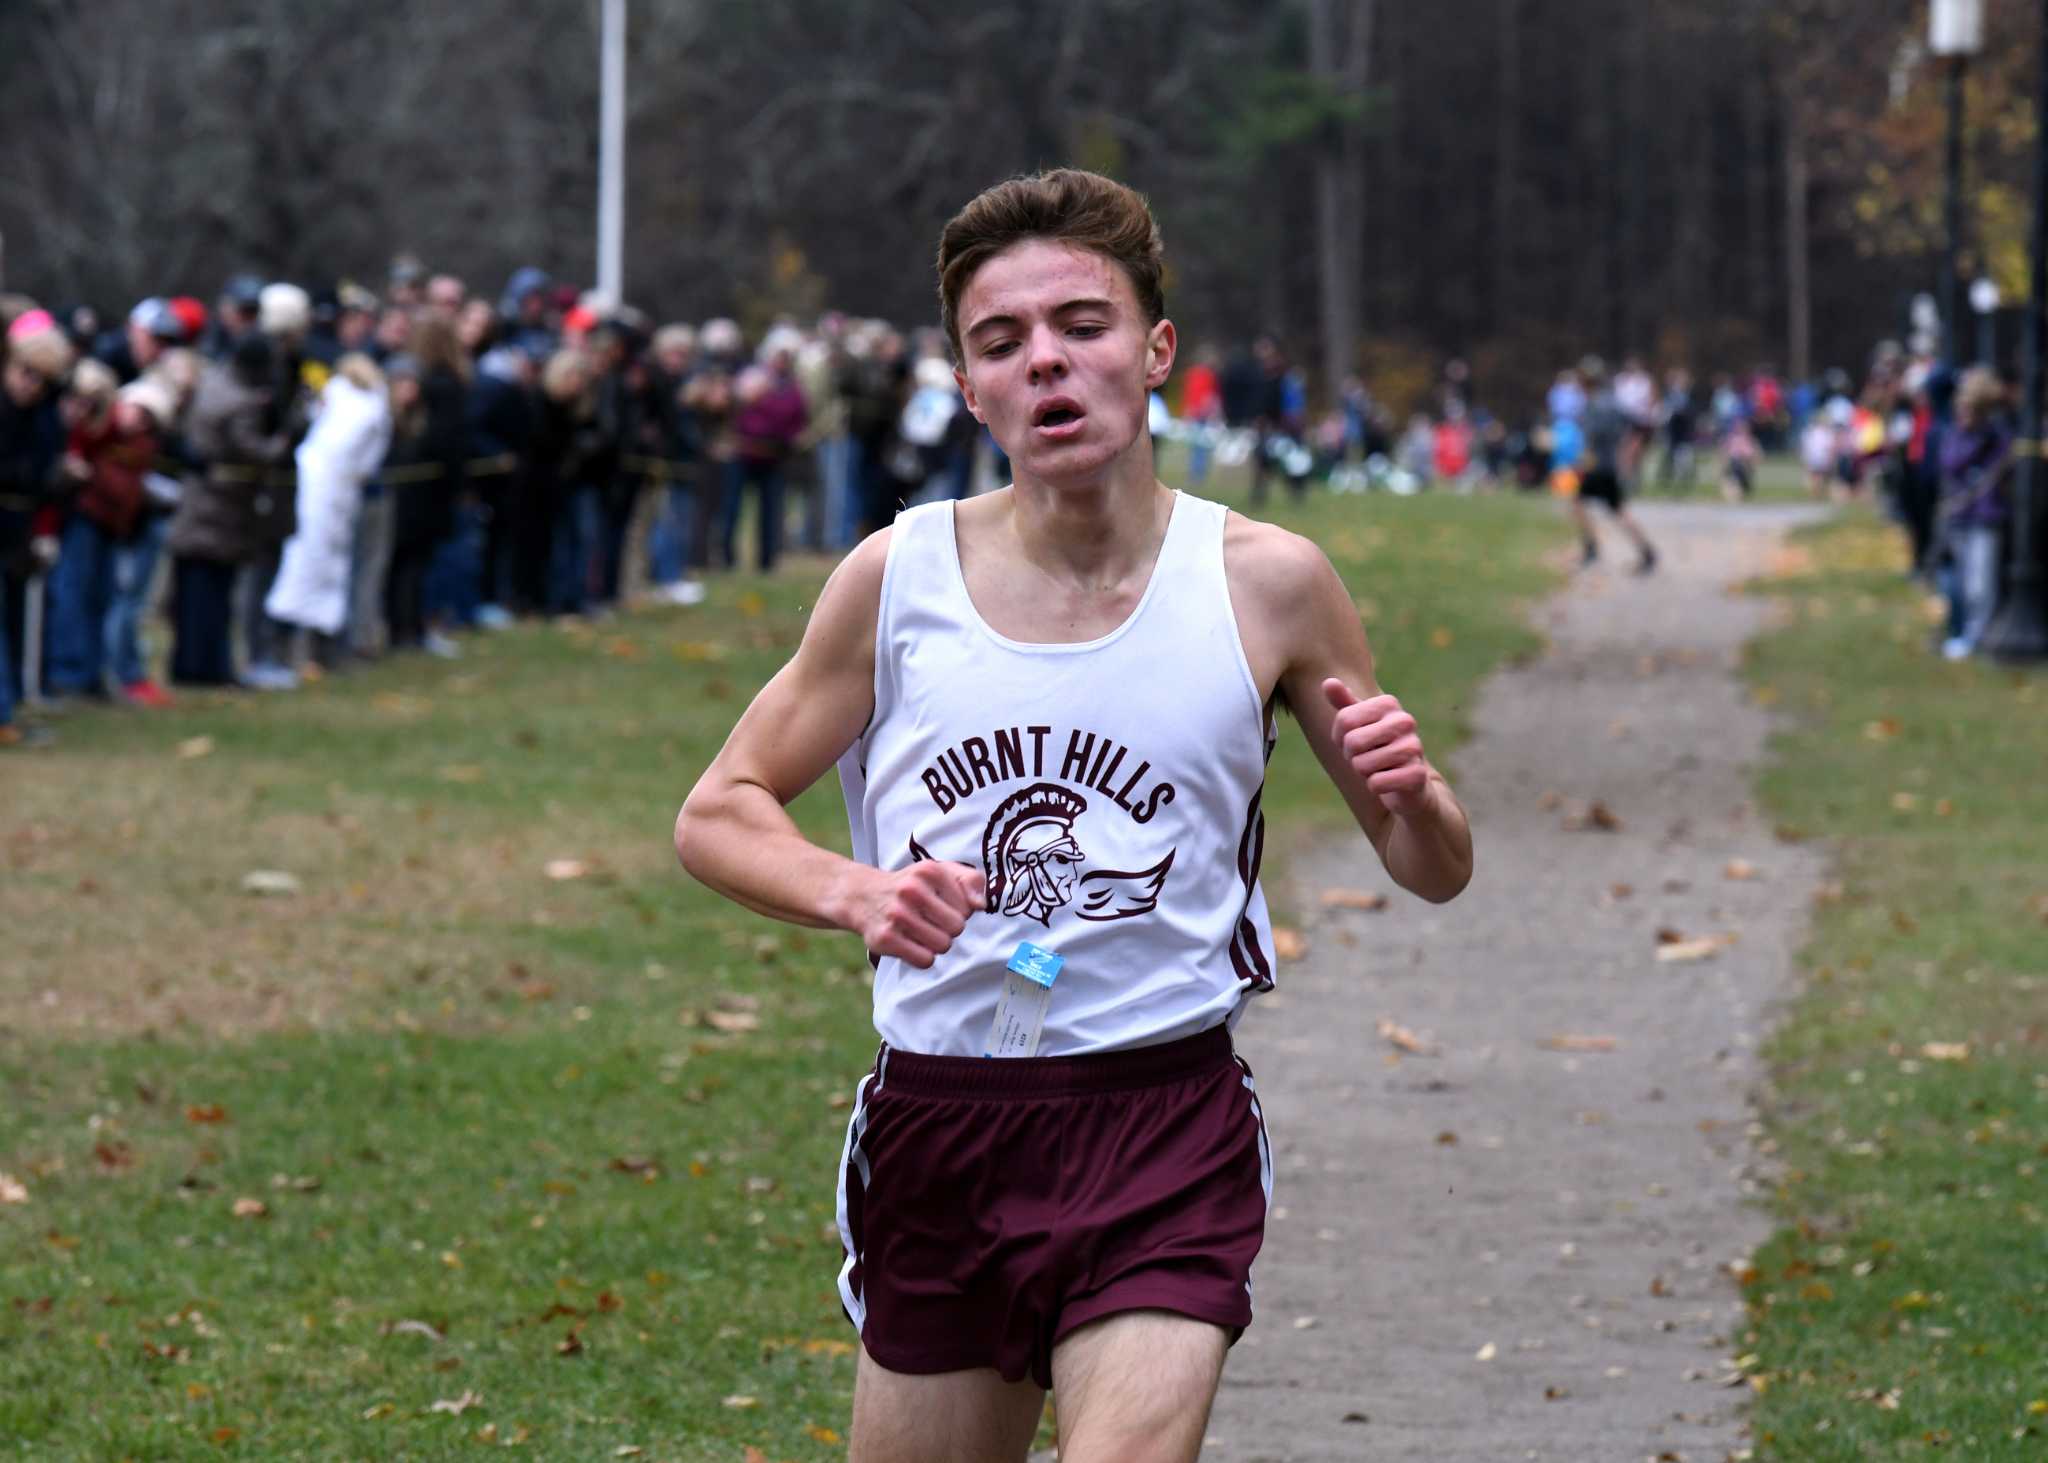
x,y
1059,359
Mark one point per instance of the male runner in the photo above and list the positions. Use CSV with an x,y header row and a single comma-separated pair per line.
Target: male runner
x,y
1051,708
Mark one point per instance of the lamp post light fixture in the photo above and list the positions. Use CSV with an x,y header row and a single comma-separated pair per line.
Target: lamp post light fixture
x,y
1984,300
1955,29
2019,630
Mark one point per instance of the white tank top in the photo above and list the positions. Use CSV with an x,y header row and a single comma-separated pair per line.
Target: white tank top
x,y
1107,790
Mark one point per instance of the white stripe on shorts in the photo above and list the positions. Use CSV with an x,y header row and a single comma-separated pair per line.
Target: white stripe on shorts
x,y
856,1128
1265,1158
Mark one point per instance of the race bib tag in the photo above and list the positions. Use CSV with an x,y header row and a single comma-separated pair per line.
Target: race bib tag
x,y
1027,993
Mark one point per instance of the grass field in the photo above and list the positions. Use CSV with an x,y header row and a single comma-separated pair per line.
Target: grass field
x,y
1902,1310
442,1150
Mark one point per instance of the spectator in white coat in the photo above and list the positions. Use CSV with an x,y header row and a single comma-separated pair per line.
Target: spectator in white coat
x,y
347,441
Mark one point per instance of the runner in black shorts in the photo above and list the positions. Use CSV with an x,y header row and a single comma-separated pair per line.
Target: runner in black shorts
x,y
1607,429
1051,708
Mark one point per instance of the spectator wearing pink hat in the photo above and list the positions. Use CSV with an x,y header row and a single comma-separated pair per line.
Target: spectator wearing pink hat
x,y
34,362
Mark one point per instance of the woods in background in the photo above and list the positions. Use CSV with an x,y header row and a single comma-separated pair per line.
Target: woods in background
x,y
1382,185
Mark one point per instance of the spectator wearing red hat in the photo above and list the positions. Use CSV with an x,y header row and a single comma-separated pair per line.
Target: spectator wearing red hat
x,y
191,314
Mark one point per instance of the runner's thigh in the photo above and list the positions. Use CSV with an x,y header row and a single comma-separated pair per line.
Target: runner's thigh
x,y
946,1417
1136,1387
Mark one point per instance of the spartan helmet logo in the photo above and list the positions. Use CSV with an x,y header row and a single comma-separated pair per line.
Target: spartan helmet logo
x,y
1032,862
1028,852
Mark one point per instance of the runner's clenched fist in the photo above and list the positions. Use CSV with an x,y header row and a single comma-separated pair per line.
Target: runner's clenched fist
x,y
916,913
1379,740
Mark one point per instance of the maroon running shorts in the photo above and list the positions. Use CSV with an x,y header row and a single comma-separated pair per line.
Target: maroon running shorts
x,y
990,1205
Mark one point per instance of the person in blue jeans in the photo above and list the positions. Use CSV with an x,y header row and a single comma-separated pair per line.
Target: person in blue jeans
x,y
1976,469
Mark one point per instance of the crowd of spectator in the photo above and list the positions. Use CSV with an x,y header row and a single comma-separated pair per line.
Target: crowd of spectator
x,y
301,478
314,479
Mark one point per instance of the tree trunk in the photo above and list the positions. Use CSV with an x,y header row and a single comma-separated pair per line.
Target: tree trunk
x,y
1756,169
1507,161
1338,269
1798,289
1634,282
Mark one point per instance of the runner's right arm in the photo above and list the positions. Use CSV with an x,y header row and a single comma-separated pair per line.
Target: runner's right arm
x,y
734,834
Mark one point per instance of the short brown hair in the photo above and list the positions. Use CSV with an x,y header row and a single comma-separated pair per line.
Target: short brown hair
x,y
1068,206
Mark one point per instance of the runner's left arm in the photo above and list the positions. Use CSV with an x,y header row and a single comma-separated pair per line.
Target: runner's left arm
x,y
1309,633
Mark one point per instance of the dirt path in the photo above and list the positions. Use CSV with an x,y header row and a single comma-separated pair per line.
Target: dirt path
x,y
1507,1250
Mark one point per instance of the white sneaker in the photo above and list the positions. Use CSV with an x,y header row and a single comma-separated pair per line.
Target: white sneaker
x,y
493,617
682,592
1956,648
269,676
435,643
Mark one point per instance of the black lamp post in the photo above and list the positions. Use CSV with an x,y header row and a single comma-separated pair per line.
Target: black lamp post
x,y
1984,300
2019,631
1955,29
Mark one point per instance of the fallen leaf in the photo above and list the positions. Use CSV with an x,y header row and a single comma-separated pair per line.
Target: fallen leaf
x,y
416,1328
1354,899
693,651
822,1434
566,868
1405,1040
1288,944
1945,1051
456,1406
755,1455
741,1400
627,1450
1570,1043
269,881
732,1021
828,1346
1441,638
246,1208
193,748
571,1344
1668,936
634,1164
1598,817
462,772
1305,1323
1486,1353
12,1190
1447,1139
1905,802
751,603
1944,807
225,1434
1738,868
620,647
1355,1417
1550,801
1683,951
379,1410
1620,891
1555,1394
1881,730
